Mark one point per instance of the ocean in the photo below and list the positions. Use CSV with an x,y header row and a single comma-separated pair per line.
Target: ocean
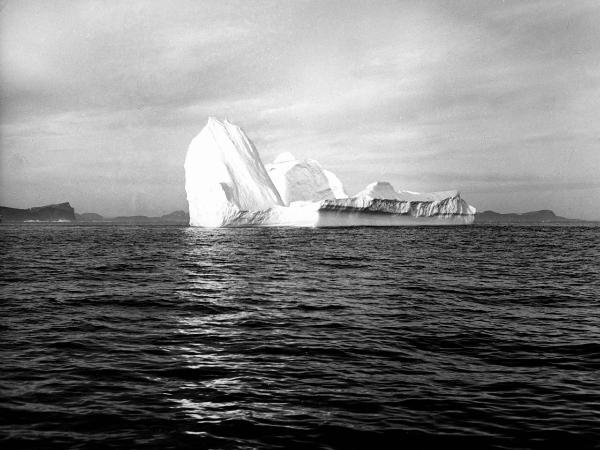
x,y
175,337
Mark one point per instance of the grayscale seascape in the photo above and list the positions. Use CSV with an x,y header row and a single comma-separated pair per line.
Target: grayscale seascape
x,y
301,224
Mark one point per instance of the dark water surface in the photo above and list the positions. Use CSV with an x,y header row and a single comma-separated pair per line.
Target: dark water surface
x,y
173,337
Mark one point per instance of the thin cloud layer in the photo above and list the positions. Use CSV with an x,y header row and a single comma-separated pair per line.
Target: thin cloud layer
x,y
99,100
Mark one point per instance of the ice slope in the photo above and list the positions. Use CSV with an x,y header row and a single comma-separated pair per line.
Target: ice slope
x,y
449,210
335,184
228,185
224,175
384,190
303,180
382,197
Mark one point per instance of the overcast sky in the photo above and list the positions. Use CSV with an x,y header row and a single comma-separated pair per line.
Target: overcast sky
x,y
501,100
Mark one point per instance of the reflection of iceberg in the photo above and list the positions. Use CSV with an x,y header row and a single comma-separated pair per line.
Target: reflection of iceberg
x,y
228,185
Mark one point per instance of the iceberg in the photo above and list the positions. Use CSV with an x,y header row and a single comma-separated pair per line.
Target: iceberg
x,y
228,185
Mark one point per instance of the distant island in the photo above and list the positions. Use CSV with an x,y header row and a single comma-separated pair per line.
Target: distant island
x,y
542,216
57,212
174,218
64,212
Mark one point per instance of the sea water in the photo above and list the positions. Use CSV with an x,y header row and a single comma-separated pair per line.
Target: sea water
x,y
177,337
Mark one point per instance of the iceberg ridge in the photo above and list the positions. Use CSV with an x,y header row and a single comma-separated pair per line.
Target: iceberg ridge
x,y
303,180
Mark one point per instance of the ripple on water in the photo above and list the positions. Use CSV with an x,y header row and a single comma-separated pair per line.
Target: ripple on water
x,y
182,337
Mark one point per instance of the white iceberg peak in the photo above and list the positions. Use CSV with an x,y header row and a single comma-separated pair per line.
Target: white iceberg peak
x,y
379,190
284,157
303,180
224,175
385,190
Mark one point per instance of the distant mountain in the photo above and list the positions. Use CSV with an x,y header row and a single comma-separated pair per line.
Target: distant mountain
x,y
174,218
542,216
130,219
88,217
60,211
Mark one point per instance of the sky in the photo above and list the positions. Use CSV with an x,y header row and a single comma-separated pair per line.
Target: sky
x,y
498,99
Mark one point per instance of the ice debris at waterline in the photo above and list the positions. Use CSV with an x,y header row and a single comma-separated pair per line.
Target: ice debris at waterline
x,y
227,185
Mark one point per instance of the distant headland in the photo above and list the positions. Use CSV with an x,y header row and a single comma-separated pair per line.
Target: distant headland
x,y
47,213
542,216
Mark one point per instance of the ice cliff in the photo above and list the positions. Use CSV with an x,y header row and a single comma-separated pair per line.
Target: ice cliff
x,y
228,185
